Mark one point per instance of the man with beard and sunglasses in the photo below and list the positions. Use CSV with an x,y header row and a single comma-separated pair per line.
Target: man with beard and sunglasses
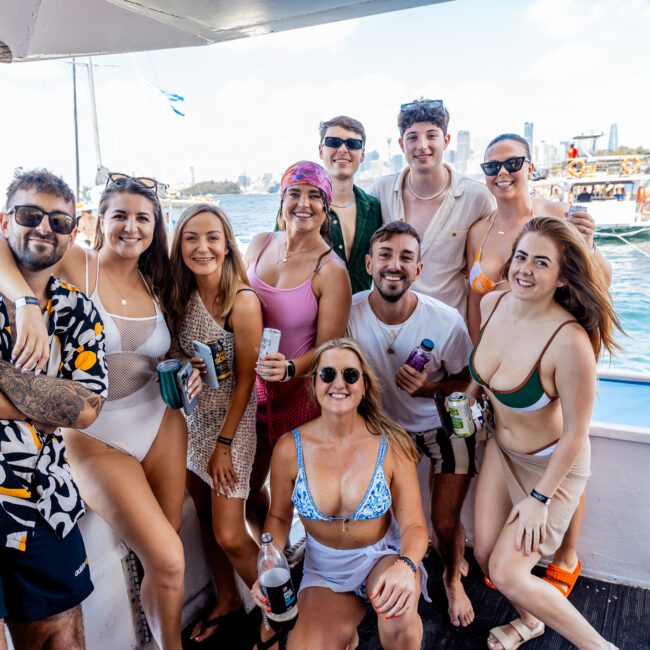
x,y
437,200
44,573
389,322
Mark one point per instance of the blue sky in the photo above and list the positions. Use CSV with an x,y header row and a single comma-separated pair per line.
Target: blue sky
x,y
255,104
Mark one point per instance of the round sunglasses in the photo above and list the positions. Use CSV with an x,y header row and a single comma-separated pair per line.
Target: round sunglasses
x,y
31,216
328,375
492,167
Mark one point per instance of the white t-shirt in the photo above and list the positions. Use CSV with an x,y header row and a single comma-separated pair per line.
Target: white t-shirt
x,y
431,319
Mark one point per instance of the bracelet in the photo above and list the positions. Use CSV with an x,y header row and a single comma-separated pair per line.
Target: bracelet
x,y
25,300
224,441
540,497
409,563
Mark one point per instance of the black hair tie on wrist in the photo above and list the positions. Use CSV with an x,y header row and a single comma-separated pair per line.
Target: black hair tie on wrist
x,y
224,441
409,563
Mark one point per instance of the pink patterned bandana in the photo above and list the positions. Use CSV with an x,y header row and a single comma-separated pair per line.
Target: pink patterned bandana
x,y
306,172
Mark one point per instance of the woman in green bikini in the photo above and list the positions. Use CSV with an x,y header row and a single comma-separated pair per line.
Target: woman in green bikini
x,y
536,360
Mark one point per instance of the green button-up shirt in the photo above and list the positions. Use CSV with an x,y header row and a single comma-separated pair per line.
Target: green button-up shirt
x,y
368,220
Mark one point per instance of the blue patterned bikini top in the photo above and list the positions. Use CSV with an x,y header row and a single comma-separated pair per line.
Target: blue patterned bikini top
x,y
375,503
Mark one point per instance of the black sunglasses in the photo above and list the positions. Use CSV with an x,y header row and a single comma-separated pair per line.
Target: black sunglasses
x,y
118,178
427,103
31,216
354,144
328,375
492,167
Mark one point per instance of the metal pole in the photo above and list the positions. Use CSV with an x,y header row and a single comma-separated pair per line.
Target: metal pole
x,y
76,125
93,108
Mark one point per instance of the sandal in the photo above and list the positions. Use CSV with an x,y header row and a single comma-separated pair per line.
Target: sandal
x,y
221,621
280,632
563,580
525,633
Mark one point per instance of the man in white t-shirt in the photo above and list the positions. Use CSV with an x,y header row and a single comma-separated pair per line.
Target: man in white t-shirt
x,y
388,322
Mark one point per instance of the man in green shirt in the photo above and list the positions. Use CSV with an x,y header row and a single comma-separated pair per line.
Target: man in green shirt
x,y
354,215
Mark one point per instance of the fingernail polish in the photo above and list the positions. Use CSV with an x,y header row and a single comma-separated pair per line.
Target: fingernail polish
x,y
268,610
388,617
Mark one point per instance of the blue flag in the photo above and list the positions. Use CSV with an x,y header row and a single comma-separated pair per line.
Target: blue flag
x,y
173,97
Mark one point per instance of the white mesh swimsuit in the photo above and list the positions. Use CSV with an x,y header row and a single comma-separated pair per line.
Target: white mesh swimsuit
x,y
133,411
205,421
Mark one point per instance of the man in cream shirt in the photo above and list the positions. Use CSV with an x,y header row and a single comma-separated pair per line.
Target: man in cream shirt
x,y
439,202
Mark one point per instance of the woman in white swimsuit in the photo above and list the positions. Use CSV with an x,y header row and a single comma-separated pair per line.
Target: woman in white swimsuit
x,y
212,300
130,464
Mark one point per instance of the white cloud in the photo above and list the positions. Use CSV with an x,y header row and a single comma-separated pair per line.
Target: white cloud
x,y
570,61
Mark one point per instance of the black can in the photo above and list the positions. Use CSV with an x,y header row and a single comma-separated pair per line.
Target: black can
x,y
219,358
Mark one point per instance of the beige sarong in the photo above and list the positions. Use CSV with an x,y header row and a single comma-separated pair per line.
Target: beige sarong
x,y
524,471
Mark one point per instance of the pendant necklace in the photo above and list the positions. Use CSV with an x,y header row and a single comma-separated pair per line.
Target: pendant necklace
x,y
344,525
122,295
392,336
287,254
433,196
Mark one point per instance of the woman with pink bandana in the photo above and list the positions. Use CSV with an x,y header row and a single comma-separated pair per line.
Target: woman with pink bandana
x,y
305,293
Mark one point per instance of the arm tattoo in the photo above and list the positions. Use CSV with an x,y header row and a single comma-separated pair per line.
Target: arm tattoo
x,y
51,400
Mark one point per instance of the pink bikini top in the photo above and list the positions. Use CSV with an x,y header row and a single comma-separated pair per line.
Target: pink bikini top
x,y
292,311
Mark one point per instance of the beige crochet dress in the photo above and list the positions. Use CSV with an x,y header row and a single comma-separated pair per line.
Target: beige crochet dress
x,y
205,421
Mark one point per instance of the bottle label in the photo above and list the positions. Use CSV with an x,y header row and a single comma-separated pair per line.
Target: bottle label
x,y
278,588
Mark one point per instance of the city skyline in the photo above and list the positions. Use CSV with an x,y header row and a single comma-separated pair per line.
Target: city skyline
x,y
255,104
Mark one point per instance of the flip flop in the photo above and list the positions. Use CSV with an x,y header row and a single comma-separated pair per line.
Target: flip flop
x,y
207,623
566,579
524,632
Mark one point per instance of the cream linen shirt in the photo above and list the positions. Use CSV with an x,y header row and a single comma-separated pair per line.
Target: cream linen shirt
x,y
443,243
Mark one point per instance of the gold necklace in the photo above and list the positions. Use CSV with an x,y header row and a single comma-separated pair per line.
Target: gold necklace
x,y
287,254
340,207
128,293
433,196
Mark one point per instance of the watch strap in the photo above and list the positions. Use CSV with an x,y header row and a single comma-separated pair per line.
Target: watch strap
x,y
25,300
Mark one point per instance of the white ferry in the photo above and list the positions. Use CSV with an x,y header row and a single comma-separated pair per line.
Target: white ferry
x,y
614,541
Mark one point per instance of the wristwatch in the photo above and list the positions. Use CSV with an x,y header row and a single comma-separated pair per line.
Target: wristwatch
x,y
290,372
25,300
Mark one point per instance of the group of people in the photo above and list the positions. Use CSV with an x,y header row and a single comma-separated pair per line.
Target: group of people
x,y
512,292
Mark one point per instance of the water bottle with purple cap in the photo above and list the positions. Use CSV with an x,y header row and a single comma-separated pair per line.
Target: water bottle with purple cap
x,y
420,355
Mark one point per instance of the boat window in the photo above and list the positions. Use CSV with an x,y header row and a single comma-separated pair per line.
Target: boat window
x,y
606,191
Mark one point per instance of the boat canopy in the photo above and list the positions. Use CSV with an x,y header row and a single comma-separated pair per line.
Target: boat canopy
x,y
45,29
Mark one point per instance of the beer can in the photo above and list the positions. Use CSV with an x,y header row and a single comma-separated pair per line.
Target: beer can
x,y
461,415
219,358
270,341
167,380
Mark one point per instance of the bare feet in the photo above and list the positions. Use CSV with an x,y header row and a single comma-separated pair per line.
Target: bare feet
x,y
461,612
202,631
464,568
354,642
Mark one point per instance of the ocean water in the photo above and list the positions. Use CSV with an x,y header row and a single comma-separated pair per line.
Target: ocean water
x,y
254,213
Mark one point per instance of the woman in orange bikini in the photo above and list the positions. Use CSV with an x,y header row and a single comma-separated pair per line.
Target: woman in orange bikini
x,y
508,169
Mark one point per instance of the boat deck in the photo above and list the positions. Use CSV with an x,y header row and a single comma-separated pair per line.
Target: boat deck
x,y
620,613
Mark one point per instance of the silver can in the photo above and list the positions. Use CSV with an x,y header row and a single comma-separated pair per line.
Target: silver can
x,y
270,341
575,208
461,415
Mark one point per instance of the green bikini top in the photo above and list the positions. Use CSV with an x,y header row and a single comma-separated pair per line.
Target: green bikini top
x,y
530,394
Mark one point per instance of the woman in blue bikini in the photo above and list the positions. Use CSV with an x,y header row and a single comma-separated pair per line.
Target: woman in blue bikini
x,y
536,359
351,475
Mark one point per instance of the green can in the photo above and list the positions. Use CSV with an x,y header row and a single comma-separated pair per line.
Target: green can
x,y
461,415
167,379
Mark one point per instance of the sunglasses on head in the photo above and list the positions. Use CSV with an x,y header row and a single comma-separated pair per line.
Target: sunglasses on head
x,y
31,216
492,167
328,375
118,178
427,103
354,144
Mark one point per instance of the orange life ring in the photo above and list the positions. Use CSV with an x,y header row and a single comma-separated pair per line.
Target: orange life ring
x,y
630,165
576,167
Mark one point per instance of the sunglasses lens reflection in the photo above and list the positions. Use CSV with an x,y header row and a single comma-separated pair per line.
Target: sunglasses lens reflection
x,y
353,144
328,375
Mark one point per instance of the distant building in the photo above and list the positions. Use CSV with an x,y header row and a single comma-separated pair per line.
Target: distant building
x,y
370,156
613,137
396,163
463,151
528,134
450,156
243,181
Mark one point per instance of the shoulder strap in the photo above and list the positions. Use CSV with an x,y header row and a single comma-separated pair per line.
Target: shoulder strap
x,y
97,275
548,343
480,334
487,232
246,289
383,447
86,272
296,438
323,259
264,247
